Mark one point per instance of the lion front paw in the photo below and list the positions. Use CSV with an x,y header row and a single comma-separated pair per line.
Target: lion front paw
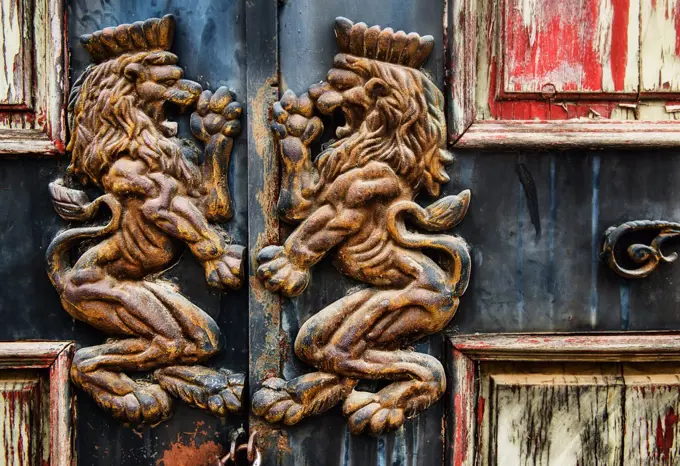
x,y
294,119
217,115
366,412
227,270
275,404
279,274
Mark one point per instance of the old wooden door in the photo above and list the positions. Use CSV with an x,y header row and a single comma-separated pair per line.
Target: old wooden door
x,y
562,120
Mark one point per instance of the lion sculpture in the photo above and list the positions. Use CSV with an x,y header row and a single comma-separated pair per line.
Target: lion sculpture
x,y
352,202
159,201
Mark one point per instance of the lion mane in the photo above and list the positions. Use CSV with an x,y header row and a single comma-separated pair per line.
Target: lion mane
x,y
406,129
106,122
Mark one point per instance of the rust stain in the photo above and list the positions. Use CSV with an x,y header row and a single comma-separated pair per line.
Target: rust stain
x,y
206,454
188,453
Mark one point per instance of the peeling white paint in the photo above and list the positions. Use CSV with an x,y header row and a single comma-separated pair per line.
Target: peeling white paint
x,y
660,63
11,81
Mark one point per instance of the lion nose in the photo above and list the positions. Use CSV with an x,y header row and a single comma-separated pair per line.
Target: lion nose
x,y
184,93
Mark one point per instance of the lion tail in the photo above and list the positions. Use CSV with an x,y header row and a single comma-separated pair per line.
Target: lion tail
x,y
73,204
441,215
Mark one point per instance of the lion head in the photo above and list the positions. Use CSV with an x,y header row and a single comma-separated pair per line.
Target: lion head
x,y
117,106
394,113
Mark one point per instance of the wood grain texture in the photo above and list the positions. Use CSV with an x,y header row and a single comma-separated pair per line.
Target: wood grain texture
x,y
660,46
558,63
556,419
19,419
568,398
34,116
575,46
15,60
462,417
652,405
570,347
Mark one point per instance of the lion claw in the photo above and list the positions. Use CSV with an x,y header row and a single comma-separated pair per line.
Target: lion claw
x,y
279,274
216,114
366,412
293,116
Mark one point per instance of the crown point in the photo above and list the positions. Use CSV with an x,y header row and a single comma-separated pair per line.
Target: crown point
x,y
111,42
343,27
380,44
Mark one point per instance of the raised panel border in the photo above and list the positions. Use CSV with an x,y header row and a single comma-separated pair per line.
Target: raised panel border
x,y
466,130
41,129
465,352
55,357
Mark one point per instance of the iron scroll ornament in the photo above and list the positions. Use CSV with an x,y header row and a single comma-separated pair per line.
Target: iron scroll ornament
x,y
647,256
160,204
353,202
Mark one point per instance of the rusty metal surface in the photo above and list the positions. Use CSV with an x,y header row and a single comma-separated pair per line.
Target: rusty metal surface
x,y
645,258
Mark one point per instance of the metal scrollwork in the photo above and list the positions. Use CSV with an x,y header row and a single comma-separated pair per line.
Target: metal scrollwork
x,y
647,256
160,203
355,202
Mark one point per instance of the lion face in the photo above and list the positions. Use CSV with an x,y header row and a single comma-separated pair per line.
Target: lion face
x,y
118,107
158,80
393,113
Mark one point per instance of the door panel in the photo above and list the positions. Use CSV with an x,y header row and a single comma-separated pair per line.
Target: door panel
x,y
307,46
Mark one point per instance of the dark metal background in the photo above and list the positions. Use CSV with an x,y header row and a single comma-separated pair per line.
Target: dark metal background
x,y
521,280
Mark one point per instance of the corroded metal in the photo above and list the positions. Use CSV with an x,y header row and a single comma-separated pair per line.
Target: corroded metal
x,y
160,203
647,256
353,202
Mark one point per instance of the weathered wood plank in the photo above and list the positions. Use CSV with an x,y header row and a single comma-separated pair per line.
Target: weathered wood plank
x,y
19,429
660,46
557,419
34,76
15,61
571,45
652,407
570,134
461,415
265,356
640,346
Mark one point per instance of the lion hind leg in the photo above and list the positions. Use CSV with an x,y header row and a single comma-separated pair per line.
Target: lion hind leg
x,y
387,409
136,402
217,391
291,401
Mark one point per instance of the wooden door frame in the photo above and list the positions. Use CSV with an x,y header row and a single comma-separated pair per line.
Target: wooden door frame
x,y
54,357
466,352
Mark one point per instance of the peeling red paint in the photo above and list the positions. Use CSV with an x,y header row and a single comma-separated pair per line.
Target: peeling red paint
x,y
480,410
665,434
619,43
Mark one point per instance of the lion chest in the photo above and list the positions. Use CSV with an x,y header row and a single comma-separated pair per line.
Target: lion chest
x,y
144,244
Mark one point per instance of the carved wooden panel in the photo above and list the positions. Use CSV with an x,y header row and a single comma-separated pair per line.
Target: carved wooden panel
x,y
553,415
36,410
652,409
569,73
16,59
32,76
552,400
19,418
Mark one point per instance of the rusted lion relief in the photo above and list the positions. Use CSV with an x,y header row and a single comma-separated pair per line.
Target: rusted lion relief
x,y
355,202
157,202
644,257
